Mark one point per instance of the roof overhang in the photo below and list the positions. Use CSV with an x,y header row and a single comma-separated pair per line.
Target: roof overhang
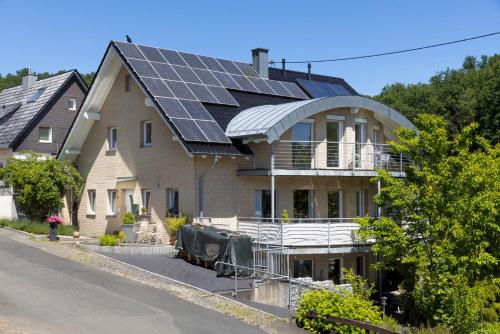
x,y
271,121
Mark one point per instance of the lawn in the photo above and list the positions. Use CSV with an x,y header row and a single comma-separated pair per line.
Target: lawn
x,y
35,227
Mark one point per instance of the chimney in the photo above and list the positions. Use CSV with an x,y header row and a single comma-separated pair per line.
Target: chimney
x,y
29,80
260,61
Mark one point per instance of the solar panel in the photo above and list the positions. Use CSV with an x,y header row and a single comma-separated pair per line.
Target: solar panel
x,y
172,107
189,130
211,63
166,71
311,88
206,77
157,87
323,89
222,95
172,57
129,50
278,88
186,74
229,66
247,69
152,53
213,131
262,86
180,90
196,110
226,80
143,68
192,60
244,83
202,93
294,90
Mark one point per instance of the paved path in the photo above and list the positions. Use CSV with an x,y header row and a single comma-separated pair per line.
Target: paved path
x,y
42,293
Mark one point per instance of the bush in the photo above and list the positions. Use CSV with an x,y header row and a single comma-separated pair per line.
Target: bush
x,y
488,328
284,217
121,236
36,227
174,224
108,240
128,218
327,303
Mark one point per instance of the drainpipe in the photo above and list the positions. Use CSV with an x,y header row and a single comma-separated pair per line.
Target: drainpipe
x,y
200,185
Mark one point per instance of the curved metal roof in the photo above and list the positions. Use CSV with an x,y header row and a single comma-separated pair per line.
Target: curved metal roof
x,y
272,121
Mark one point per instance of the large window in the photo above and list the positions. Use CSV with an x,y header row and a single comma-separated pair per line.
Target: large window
x,y
146,133
333,135
112,202
263,203
334,204
172,202
302,268
146,200
91,201
335,270
302,204
302,145
112,138
360,203
45,134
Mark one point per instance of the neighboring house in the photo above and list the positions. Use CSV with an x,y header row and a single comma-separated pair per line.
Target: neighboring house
x,y
176,133
37,115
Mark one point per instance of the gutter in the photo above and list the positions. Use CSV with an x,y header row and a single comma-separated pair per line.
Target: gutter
x,y
200,185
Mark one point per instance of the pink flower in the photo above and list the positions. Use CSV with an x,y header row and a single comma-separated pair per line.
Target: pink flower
x,y
55,219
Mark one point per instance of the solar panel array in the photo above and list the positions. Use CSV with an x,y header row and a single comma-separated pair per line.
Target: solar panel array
x,y
322,89
181,81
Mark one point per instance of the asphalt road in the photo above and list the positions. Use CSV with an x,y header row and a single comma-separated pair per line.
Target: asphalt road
x,y
42,293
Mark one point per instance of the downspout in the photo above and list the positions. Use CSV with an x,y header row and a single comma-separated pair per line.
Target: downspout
x,y
200,185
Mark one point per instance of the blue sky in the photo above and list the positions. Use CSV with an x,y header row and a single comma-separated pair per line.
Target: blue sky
x,y
51,35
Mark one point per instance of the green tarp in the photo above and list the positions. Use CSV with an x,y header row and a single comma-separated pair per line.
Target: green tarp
x,y
210,245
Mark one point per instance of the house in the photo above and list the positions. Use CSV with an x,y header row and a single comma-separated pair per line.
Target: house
x,y
37,116
233,145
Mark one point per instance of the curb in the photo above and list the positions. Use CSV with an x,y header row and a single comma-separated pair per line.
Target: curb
x,y
144,250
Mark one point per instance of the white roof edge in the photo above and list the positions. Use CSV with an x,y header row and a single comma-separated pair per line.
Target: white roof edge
x,y
269,120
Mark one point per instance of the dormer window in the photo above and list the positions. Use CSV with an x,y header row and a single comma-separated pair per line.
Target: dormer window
x,y
72,104
36,95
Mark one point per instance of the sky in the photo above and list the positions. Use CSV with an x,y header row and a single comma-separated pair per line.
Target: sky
x,y
52,35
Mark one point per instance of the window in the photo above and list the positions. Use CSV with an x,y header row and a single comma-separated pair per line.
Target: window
x,y
302,145
91,208
112,137
146,133
172,202
360,266
359,139
360,203
335,270
112,202
36,95
334,204
263,203
45,134
302,204
302,268
333,137
146,200
72,104
128,83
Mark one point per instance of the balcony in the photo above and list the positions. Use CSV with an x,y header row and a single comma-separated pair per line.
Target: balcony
x,y
324,158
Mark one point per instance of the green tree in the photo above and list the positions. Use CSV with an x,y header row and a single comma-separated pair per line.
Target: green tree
x,y
39,184
442,224
12,80
461,96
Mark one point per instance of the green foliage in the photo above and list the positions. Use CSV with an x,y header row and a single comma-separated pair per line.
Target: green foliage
x,y
442,229
174,224
12,80
128,218
328,303
121,236
461,96
360,286
35,227
40,184
284,217
434,330
488,328
108,240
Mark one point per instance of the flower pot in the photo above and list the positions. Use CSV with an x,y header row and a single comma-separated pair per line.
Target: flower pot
x,y
130,235
53,232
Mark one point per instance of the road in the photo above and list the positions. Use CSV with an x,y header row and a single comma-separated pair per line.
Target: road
x,y
43,293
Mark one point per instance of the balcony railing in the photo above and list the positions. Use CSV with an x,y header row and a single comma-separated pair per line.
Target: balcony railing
x,y
326,155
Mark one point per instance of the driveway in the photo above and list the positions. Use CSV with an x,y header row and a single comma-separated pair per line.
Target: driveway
x,y
42,293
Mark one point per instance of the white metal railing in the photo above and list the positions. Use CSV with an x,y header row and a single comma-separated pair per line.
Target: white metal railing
x,y
310,155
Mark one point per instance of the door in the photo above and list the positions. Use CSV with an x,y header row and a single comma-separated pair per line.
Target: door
x,y
302,145
303,204
335,270
333,138
359,144
334,204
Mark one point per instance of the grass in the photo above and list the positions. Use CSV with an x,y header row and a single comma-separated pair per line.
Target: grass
x,y
35,227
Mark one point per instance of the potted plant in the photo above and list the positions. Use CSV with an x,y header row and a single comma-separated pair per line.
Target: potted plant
x,y
127,227
54,220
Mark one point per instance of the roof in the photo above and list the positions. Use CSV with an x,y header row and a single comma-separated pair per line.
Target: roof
x,y
272,121
16,109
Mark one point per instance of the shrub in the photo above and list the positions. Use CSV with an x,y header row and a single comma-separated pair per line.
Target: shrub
x,y
174,224
108,240
284,217
327,303
36,227
121,236
434,330
128,218
360,286
488,328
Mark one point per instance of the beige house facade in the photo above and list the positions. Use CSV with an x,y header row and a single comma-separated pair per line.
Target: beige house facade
x,y
312,157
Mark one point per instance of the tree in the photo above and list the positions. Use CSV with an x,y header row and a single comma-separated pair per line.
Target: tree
x,y
12,80
461,96
39,184
441,227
